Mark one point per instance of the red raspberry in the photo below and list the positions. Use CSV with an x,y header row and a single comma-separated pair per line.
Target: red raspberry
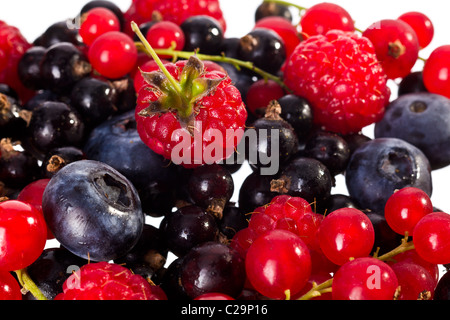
x,y
192,116
12,46
339,74
108,281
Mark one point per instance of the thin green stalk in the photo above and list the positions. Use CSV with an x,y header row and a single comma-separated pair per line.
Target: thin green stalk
x,y
155,57
324,287
28,284
238,64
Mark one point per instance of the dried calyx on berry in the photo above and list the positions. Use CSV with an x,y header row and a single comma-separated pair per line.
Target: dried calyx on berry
x,y
179,96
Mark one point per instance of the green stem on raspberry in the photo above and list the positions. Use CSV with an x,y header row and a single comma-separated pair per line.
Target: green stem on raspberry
x,y
217,58
155,57
287,3
28,284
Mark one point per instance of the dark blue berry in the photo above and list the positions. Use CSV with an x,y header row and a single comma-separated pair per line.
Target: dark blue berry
x,y
421,119
93,210
116,142
383,165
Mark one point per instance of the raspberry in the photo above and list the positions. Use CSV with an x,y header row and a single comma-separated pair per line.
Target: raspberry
x,y
12,47
340,75
108,281
189,114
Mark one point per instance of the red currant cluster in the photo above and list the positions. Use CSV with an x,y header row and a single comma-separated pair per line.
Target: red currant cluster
x,y
152,111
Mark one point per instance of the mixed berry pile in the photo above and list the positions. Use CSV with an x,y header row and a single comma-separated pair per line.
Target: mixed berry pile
x,y
149,114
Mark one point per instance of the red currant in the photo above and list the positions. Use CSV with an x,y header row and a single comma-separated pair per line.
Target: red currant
x,y
364,278
9,288
411,256
23,234
259,95
413,280
96,22
308,225
422,25
405,208
113,54
32,194
344,234
323,17
436,71
164,35
278,264
431,238
396,45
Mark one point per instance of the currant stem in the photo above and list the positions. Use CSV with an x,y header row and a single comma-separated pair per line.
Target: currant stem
x,y
155,57
324,287
317,290
28,284
218,58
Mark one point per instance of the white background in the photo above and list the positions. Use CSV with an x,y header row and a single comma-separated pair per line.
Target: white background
x,y
33,17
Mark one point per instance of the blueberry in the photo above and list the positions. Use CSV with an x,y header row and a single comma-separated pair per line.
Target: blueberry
x,y
116,142
380,166
421,119
93,210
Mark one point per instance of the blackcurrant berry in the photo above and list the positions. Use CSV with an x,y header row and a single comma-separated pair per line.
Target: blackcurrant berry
x,y
202,33
211,187
264,48
62,66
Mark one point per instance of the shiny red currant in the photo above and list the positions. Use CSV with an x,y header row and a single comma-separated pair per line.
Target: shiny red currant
x,y
436,72
23,234
113,54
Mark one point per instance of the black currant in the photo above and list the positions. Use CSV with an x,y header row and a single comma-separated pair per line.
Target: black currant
x,y
202,33
298,112
51,269
62,66
232,221
149,254
412,83
57,158
53,125
13,118
17,166
264,48
29,68
276,141
94,100
255,192
268,9
187,227
58,32
211,187
212,267
306,178
330,149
